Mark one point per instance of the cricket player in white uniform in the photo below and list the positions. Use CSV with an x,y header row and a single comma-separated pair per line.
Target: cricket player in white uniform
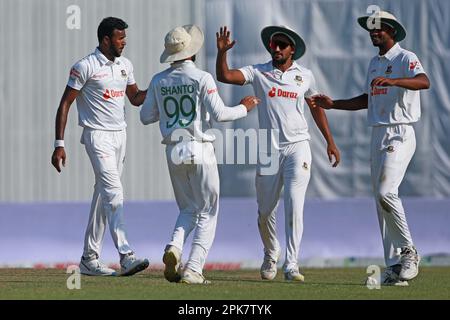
x,y
183,98
283,86
392,98
99,83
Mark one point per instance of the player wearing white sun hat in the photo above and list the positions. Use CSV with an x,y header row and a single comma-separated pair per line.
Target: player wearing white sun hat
x,y
183,99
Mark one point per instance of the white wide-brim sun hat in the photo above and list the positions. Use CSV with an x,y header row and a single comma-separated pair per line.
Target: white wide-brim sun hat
x,y
182,43
268,32
386,18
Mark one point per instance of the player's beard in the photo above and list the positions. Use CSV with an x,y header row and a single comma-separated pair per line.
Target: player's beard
x,y
115,51
279,61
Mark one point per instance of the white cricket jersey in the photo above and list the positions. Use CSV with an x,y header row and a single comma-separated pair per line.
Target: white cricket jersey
x,y
393,105
282,97
102,85
185,97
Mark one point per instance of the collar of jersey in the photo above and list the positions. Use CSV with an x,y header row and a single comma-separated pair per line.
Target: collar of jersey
x,y
182,63
392,53
293,67
104,60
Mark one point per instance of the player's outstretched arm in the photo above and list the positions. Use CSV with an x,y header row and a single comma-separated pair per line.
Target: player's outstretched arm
x,y
59,154
325,102
418,82
321,121
221,113
223,73
250,102
210,98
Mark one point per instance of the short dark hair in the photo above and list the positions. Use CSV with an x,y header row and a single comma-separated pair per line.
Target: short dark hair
x,y
107,27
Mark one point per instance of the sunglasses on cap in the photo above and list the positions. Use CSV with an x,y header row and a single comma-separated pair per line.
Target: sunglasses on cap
x,y
273,44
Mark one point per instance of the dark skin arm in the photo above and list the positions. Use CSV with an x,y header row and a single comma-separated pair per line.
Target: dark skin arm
x,y
321,121
59,154
325,102
419,82
135,95
223,73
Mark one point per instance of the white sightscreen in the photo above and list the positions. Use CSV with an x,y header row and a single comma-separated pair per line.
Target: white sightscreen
x,y
38,51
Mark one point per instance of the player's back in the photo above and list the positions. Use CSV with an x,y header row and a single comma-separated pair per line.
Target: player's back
x,y
177,91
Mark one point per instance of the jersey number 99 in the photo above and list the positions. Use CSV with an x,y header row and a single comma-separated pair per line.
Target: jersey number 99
x,y
178,107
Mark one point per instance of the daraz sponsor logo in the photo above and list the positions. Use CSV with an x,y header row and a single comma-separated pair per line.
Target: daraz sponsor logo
x,y
108,94
282,93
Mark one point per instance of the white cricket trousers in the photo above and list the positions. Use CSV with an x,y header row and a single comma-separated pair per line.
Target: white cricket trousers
x,y
392,148
294,173
196,188
106,150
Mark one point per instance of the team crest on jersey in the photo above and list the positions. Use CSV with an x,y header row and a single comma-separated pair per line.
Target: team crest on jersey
x,y
388,70
124,74
390,149
299,80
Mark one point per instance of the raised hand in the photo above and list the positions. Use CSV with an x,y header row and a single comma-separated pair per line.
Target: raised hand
x,y
250,102
322,101
224,42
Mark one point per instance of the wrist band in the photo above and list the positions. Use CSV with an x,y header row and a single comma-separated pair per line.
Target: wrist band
x,y
59,143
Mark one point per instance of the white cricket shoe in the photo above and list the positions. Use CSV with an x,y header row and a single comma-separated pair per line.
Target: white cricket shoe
x,y
131,265
390,277
93,267
172,260
268,269
294,275
410,263
191,277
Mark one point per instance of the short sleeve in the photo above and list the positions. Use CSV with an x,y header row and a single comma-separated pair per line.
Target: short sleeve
x,y
412,65
130,80
366,83
249,73
149,111
78,75
312,90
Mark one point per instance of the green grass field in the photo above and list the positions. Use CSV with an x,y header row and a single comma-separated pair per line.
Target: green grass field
x,y
432,283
